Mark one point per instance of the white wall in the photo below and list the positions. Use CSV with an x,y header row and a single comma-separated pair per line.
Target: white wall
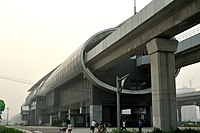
x,y
190,113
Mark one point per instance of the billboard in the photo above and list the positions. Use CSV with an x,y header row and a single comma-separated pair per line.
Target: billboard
x,y
25,108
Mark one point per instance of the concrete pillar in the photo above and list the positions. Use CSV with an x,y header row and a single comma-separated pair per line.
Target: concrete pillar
x,y
69,114
80,110
179,113
149,116
59,115
163,83
87,121
96,113
198,113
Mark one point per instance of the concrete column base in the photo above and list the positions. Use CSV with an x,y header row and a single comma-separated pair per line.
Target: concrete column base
x,y
179,114
163,83
69,114
96,113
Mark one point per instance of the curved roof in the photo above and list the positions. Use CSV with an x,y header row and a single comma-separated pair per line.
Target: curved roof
x,y
73,66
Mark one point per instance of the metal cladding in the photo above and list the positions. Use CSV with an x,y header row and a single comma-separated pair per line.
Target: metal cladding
x,y
70,68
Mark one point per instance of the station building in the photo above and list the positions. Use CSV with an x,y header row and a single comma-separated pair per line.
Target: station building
x,y
75,92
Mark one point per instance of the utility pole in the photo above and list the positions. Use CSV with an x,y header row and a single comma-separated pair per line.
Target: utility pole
x,y
191,82
134,7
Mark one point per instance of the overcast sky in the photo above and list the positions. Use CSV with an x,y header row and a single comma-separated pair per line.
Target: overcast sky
x,y
38,35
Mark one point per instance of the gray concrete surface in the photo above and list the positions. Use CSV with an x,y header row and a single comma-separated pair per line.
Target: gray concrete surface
x,y
163,83
46,129
86,130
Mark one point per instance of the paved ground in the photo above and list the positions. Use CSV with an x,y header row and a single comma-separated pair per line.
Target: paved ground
x,y
86,130
46,129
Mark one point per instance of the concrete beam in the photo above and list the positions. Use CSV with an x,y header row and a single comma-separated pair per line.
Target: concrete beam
x,y
188,51
188,58
172,18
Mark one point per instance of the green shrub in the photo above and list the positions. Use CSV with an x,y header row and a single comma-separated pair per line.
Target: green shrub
x,y
9,130
122,131
58,123
177,131
190,131
157,130
134,130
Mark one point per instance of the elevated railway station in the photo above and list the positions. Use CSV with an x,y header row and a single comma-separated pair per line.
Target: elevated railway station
x,y
84,95
83,88
72,91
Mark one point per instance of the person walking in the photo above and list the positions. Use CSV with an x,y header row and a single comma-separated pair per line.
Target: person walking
x,y
64,127
102,128
93,124
140,126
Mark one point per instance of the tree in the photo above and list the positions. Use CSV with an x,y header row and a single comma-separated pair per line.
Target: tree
x,y
2,105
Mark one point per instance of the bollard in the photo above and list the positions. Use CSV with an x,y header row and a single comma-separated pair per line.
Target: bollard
x,y
69,128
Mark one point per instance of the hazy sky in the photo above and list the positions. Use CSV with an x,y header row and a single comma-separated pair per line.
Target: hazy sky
x,y
38,35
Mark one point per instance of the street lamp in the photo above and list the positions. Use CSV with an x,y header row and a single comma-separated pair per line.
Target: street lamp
x,y
7,116
120,84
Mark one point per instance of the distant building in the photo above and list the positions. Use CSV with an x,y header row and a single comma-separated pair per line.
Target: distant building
x,y
189,112
15,120
25,115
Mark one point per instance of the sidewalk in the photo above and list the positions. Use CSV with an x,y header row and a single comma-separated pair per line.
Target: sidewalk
x,y
87,130
46,129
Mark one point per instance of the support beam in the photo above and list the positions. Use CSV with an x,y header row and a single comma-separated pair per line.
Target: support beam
x,y
163,83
